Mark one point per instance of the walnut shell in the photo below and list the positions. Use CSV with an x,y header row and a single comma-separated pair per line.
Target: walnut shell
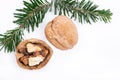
x,y
23,56
62,32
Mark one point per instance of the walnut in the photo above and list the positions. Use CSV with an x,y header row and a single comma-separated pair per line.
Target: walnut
x,y
29,56
62,32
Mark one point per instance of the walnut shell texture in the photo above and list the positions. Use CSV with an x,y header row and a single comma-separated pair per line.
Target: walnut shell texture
x,y
22,56
62,32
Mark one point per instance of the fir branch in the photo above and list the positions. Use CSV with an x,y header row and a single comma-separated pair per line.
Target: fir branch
x,y
11,39
84,11
34,12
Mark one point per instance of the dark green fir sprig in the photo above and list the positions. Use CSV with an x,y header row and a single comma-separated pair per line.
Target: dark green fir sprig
x,y
33,13
11,39
84,11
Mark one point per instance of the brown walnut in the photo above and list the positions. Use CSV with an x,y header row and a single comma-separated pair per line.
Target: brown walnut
x,y
62,32
33,54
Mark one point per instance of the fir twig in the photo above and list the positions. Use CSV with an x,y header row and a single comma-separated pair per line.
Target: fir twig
x,y
11,39
84,11
27,18
34,12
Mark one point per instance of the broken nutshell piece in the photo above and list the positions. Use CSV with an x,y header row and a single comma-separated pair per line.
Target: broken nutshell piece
x,y
33,54
62,32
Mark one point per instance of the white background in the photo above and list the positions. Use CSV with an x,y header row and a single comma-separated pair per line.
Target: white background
x,y
95,57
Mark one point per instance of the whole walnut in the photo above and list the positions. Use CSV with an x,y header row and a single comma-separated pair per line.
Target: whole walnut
x,y
62,32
